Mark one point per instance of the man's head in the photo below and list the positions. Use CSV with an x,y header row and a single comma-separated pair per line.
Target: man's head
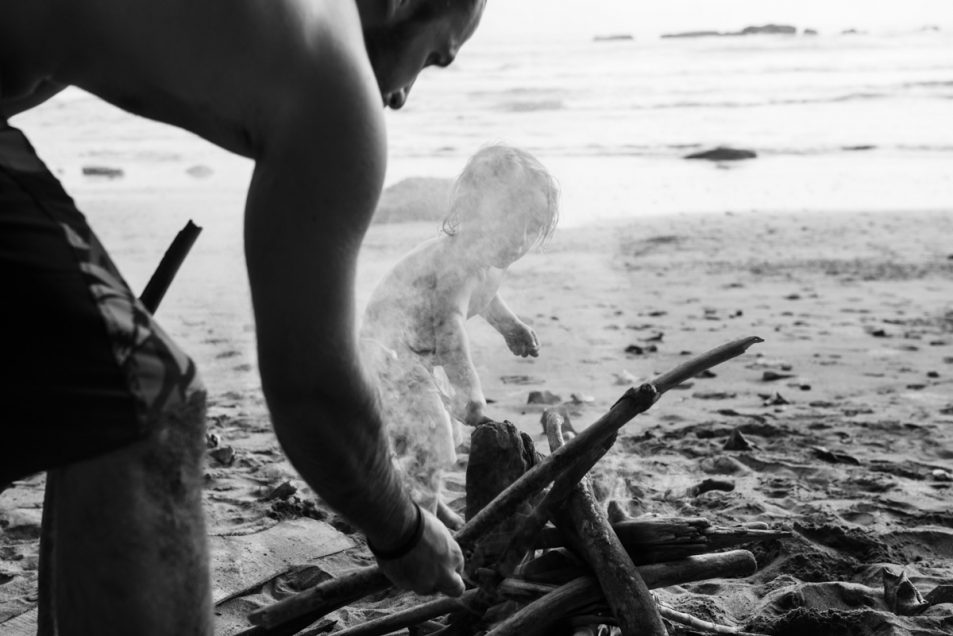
x,y
412,35
506,201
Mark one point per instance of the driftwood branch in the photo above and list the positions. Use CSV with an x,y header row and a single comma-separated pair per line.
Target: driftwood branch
x,y
707,360
585,522
598,625
411,616
586,592
589,445
696,623
565,600
521,541
171,261
632,402
656,539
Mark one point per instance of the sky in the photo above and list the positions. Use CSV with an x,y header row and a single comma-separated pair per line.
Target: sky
x,y
584,18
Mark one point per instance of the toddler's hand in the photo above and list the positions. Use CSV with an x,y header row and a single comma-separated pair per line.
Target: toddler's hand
x,y
473,416
522,340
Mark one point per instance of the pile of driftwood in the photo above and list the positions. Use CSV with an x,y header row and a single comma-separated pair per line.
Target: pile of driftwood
x,y
537,558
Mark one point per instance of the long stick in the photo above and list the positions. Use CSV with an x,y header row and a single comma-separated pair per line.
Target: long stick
x,y
654,540
171,261
520,543
585,522
727,564
410,616
538,617
632,402
325,597
704,626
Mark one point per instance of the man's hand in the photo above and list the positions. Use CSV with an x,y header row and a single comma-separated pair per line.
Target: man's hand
x,y
522,341
433,565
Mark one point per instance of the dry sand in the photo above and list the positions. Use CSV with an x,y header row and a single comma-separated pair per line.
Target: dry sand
x,y
848,406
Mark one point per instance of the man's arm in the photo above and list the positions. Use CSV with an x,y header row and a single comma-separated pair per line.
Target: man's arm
x,y
316,183
313,192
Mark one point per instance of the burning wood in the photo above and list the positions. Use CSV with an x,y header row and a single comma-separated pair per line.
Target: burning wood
x,y
588,529
565,468
656,539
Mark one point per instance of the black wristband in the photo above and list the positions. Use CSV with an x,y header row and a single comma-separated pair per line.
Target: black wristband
x,y
404,548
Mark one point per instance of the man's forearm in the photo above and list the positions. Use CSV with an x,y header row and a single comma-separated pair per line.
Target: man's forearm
x,y
313,192
344,456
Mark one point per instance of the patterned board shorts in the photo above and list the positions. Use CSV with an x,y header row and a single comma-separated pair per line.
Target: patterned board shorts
x,y
84,368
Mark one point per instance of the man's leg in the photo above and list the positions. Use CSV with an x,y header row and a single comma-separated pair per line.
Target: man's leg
x,y
98,395
130,553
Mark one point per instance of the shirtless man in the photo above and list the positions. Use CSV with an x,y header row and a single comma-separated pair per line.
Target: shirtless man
x,y
94,391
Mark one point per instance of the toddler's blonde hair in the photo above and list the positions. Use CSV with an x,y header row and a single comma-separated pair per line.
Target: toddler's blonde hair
x,y
496,166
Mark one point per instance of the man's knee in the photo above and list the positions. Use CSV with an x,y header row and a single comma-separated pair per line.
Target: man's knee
x,y
175,447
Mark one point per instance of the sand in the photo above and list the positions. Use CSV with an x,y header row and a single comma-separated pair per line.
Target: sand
x,y
847,406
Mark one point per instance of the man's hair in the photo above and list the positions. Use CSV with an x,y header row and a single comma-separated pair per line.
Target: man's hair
x,y
501,166
433,9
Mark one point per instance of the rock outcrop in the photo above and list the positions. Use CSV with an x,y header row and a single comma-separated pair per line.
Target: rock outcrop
x,y
723,153
766,29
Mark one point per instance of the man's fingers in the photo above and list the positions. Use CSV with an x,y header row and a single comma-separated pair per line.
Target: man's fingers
x,y
453,586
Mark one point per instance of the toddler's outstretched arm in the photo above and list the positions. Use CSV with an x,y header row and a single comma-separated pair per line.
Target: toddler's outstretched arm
x,y
453,353
450,304
520,337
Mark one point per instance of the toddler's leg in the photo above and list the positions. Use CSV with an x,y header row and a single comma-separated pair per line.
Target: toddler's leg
x,y
429,430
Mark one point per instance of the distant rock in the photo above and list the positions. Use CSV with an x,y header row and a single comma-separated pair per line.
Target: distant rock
x,y
102,171
852,32
543,397
695,34
199,171
810,31
613,37
723,153
769,29
414,199
737,442
766,29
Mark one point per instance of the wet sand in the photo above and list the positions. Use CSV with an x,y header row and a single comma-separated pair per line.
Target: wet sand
x,y
847,406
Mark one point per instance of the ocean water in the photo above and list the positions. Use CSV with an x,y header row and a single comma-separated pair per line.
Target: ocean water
x,y
839,122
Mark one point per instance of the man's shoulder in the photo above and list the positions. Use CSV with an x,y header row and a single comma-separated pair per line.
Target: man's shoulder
x,y
223,70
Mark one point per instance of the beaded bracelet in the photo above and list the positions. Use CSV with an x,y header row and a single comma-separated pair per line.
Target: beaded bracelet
x,y
402,549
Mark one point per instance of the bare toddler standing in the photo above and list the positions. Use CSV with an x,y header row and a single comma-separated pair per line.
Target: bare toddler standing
x,y
503,204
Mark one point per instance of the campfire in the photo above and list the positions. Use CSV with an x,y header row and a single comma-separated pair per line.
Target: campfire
x,y
542,554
